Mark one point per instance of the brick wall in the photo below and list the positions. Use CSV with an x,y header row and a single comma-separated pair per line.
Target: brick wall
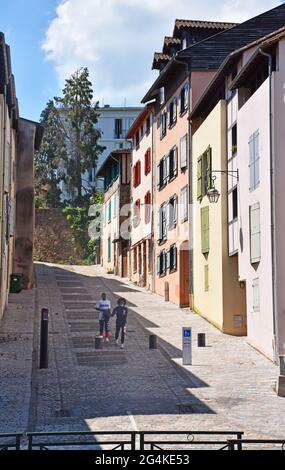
x,y
54,238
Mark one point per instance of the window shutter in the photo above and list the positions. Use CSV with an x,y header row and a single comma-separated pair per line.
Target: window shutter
x,y
209,168
175,158
206,277
168,117
205,242
165,169
175,110
255,249
158,175
199,179
164,221
175,200
139,172
158,264
174,257
186,96
183,152
159,225
167,259
161,125
134,176
179,103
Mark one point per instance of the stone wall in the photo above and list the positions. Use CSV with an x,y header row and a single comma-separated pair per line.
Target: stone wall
x,y
54,239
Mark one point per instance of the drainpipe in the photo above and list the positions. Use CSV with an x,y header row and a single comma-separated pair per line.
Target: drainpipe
x,y
272,207
152,202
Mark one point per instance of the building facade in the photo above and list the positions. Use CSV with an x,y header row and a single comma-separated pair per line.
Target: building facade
x,y
18,140
141,253
115,237
218,294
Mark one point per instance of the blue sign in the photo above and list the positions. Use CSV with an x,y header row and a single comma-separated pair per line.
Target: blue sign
x,y
187,333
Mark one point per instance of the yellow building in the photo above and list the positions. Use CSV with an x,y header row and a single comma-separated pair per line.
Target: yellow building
x,y
218,295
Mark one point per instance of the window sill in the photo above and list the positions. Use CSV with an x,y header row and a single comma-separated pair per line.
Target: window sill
x,y
172,270
161,187
182,113
172,178
182,221
172,125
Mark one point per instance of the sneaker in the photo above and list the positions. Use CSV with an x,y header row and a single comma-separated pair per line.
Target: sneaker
x,y
122,346
117,341
107,340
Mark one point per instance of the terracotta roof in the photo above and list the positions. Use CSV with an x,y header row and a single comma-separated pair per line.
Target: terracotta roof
x,y
203,24
160,57
170,40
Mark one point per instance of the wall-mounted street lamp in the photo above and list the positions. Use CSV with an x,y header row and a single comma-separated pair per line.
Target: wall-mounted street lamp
x,y
212,193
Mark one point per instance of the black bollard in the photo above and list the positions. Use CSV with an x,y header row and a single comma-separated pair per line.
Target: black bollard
x,y
201,338
44,339
98,342
152,342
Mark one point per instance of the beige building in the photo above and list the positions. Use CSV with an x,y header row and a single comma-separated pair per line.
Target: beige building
x,y
18,140
115,237
218,295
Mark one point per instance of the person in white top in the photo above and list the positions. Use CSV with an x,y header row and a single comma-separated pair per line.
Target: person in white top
x,y
104,308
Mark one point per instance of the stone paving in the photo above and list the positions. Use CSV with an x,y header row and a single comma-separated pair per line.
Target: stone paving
x,y
230,386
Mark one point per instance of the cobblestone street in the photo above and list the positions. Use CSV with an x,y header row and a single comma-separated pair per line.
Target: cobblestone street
x,y
229,386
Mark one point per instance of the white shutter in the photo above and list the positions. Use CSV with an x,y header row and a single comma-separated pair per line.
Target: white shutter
x,y
158,175
164,221
159,225
175,200
168,260
255,252
183,152
166,169
158,264
186,96
168,117
174,257
255,295
175,158
175,110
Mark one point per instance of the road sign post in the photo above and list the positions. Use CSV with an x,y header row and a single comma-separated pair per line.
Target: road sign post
x,y
187,346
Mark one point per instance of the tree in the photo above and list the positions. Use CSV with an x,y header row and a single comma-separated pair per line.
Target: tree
x,y
49,159
78,116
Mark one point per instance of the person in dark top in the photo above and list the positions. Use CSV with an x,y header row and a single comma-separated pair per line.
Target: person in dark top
x,y
121,313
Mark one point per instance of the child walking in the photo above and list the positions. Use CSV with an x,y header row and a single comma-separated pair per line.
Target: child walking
x,y
121,313
104,307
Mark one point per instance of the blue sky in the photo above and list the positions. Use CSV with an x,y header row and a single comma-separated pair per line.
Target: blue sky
x,y
116,39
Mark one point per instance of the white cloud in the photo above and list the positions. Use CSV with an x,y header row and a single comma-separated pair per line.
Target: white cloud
x,y
116,38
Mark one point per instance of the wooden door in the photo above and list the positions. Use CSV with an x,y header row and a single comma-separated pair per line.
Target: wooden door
x,y
184,278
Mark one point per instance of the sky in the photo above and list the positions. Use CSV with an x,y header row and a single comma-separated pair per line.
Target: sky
x,y
115,39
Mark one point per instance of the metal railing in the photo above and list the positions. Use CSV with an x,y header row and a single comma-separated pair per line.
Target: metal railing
x,y
153,440
10,441
48,440
247,444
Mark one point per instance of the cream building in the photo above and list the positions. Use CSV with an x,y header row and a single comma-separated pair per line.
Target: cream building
x,y
218,295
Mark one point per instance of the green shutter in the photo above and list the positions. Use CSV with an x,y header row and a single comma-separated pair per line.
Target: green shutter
x,y
205,238
209,168
109,249
199,179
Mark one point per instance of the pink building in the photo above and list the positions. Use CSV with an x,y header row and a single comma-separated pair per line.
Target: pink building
x,y
141,254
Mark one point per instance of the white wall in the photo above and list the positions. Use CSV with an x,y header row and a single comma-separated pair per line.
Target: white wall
x,y
254,115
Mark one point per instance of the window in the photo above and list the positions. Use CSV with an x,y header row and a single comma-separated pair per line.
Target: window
x,y
184,204
142,131
137,213
255,235
148,126
172,113
137,140
255,295
171,258
162,172
163,117
118,128
137,174
234,140
205,238
161,224
147,161
183,152
254,161
109,211
147,207
109,249
184,97
206,277
204,173
235,203
172,163
161,263
184,43
172,212
135,260
161,95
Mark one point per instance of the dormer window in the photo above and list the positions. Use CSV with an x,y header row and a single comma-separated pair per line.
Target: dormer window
x,y
184,43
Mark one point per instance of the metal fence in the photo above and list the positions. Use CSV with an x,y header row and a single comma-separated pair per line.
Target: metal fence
x,y
10,441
